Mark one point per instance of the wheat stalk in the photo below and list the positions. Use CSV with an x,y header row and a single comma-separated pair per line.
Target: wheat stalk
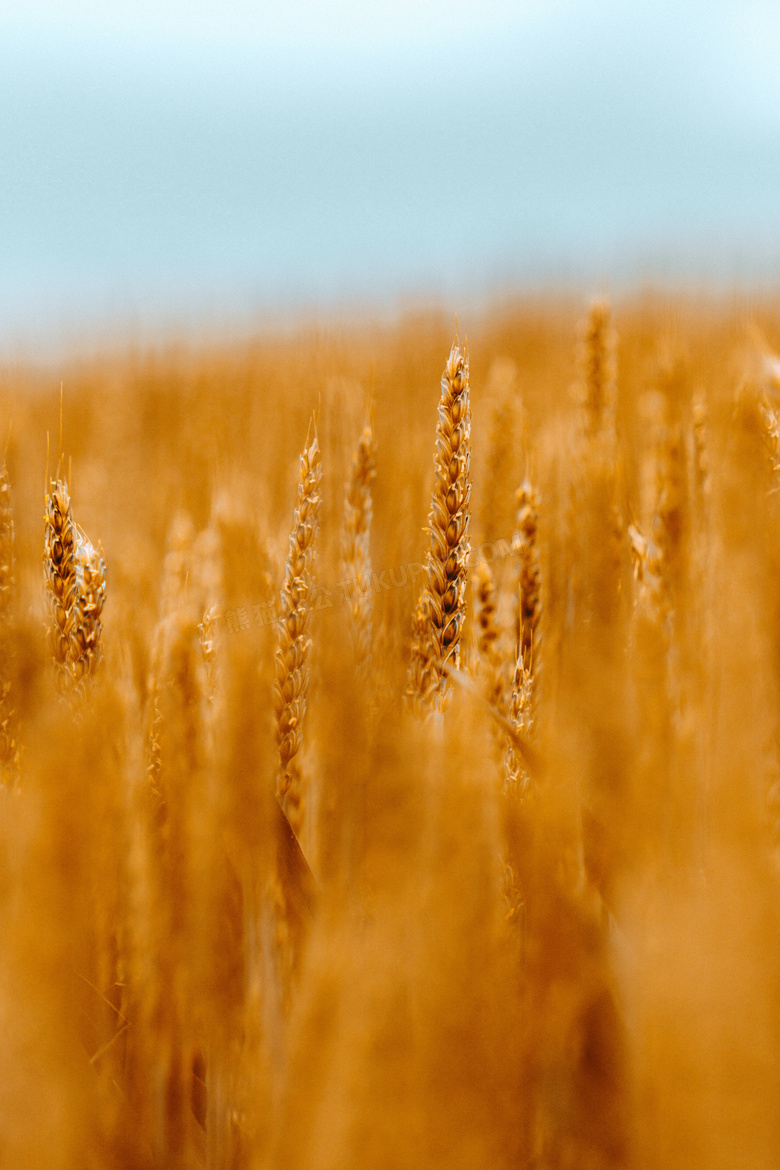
x,y
441,610
293,646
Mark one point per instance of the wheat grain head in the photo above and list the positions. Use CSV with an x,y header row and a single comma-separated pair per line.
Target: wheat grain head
x,y
441,611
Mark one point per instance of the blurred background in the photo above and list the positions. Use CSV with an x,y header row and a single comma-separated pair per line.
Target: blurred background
x,y
203,164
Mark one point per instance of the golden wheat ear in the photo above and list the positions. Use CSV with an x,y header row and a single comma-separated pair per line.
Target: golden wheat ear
x,y
597,367
75,575
442,608
488,636
293,644
90,598
356,555
60,575
527,630
529,596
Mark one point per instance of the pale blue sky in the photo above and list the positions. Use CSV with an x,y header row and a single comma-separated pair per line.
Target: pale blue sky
x,y
168,161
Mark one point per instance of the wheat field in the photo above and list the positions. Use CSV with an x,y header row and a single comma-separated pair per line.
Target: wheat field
x,y
390,746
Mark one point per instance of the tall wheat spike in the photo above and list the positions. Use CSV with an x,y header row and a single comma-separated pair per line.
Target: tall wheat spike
x,y
668,550
595,509
529,592
356,556
60,571
293,646
87,626
488,636
529,609
75,575
597,367
422,671
441,611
